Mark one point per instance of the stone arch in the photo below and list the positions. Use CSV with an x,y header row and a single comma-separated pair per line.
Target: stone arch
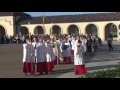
x,y
24,31
73,29
39,30
56,29
111,28
2,30
92,29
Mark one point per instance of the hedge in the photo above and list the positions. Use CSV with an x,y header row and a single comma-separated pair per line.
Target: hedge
x,y
110,73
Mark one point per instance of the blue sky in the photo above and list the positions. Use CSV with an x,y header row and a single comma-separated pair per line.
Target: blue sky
x,y
60,13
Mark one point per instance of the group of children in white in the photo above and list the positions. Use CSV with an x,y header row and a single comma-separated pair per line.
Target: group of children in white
x,y
44,54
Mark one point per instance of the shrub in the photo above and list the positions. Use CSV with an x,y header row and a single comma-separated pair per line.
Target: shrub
x,y
110,73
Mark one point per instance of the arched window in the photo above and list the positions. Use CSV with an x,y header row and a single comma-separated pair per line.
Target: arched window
x,y
73,29
38,30
24,31
110,29
56,30
92,29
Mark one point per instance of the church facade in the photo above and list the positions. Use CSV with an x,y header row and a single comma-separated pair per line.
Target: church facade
x,y
102,25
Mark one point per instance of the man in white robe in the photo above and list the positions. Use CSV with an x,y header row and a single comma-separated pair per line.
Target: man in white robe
x,y
78,59
28,58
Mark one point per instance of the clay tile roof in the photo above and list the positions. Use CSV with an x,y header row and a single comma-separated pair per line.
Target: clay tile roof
x,y
75,18
64,18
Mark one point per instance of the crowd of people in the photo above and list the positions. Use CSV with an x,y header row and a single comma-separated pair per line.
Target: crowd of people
x,y
45,51
5,39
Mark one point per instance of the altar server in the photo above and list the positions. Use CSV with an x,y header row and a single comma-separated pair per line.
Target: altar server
x,y
66,50
28,58
78,59
40,60
50,57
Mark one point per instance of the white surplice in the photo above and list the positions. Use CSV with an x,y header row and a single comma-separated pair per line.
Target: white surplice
x,y
67,52
49,52
28,53
40,52
78,55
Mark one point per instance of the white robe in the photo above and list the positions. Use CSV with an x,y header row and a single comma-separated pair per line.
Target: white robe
x,y
73,44
28,53
49,52
40,52
67,52
76,41
35,45
84,44
78,55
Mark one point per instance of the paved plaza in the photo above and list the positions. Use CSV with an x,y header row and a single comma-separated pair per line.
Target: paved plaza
x,y
11,62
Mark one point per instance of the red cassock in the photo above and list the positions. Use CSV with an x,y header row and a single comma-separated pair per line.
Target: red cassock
x,y
80,69
29,67
72,52
57,60
67,60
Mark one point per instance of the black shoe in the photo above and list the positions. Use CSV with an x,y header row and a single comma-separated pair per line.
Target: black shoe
x,y
41,73
46,73
32,73
76,73
53,71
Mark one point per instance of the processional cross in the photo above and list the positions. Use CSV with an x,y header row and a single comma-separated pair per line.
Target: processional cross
x,y
43,18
